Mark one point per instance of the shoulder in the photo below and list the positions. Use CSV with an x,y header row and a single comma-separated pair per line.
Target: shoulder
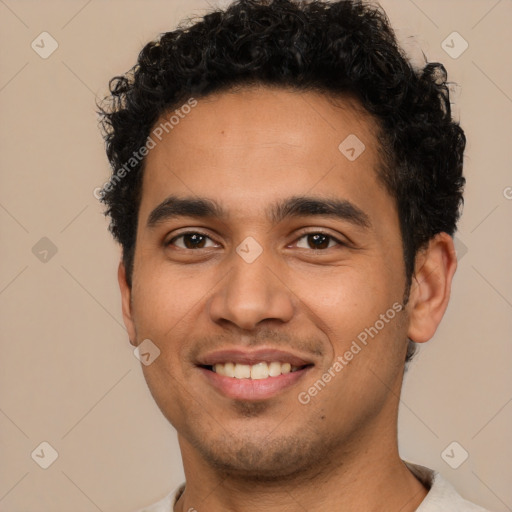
x,y
442,496
166,504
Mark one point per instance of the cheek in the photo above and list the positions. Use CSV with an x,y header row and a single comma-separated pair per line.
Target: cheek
x,y
360,312
165,308
162,298
348,298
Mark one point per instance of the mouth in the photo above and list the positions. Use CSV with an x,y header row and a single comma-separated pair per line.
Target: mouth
x,y
258,371
256,375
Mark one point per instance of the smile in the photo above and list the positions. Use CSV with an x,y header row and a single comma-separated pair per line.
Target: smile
x,y
259,381
258,371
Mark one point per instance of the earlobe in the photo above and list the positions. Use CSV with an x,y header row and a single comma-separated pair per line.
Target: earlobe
x,y
126,294
431,285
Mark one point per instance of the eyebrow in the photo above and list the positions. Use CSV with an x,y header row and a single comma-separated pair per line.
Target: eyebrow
x,y
297,206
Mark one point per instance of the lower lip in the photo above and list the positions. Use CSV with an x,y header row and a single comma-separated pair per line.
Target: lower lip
x,y
249,389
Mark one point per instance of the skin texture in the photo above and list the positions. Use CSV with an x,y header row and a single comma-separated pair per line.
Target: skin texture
x,y
247,150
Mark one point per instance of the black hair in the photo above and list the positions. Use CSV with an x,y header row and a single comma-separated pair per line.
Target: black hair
x,y
341,48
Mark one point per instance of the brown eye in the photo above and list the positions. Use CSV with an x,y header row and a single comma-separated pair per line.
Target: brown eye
x,y
318,241
191,240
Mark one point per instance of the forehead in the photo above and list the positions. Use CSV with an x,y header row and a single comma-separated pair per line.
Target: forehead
x,y
262,143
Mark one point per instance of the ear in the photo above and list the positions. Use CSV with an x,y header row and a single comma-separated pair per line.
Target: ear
x,y
126,294
430,288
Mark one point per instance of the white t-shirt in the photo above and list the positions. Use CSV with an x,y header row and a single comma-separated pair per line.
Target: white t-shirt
x,y
442,497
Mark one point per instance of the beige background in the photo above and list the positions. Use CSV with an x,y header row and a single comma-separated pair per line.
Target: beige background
x,y
68,374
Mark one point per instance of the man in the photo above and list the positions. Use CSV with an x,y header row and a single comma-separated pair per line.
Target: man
x,y
285,191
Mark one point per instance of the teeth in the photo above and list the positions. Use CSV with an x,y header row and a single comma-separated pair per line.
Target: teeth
x,y
242,371
256,371
286,368
259,371
274,369
229,369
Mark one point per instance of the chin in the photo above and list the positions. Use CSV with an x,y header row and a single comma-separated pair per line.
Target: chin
x,y
264,460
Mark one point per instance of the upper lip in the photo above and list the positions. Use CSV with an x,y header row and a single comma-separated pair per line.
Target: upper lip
x,y
250,357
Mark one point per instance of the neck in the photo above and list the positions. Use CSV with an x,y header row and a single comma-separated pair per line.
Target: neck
x,y
370,480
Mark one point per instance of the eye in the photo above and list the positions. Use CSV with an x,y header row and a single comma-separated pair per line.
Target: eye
x,y
318,240
191,240
197,240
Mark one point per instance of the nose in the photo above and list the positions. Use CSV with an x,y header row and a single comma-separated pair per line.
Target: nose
x,y
251,293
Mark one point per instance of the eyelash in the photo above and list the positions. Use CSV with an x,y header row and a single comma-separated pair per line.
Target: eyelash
x,y
302,235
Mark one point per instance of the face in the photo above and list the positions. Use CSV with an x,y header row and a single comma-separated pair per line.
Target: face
x,y
262,247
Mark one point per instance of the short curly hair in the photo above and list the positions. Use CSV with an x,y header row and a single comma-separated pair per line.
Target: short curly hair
x,y
341,48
